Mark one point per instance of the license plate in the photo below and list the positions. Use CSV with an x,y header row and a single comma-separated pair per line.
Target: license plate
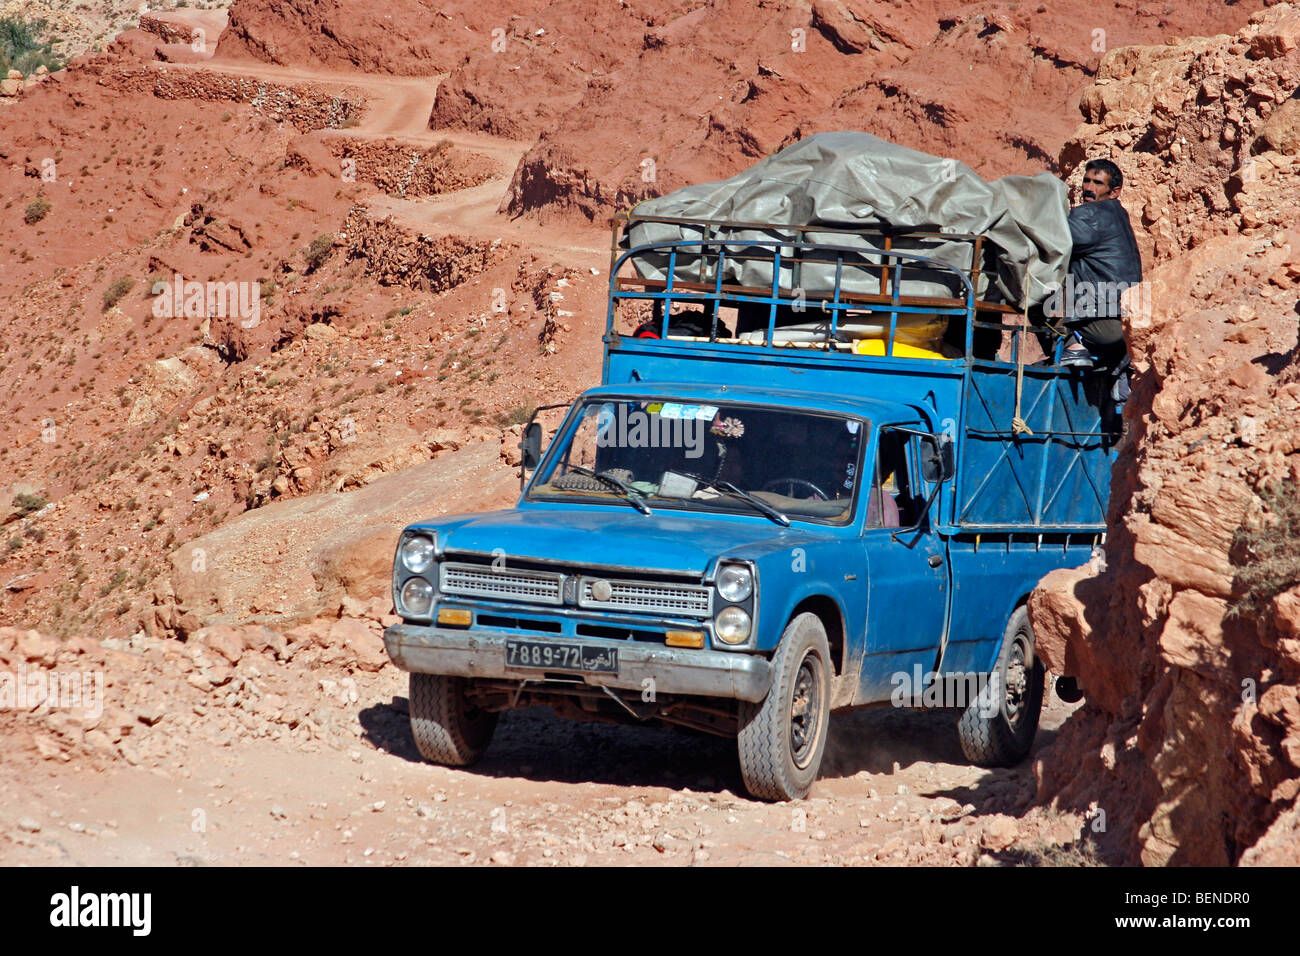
x,y
561,657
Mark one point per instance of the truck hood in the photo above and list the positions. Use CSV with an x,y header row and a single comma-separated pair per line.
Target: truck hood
x,y
664,541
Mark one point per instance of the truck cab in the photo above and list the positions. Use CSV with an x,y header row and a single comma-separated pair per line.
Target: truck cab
x,y
750,525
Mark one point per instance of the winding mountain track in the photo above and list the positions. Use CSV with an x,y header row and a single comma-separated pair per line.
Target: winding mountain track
x,y
398,107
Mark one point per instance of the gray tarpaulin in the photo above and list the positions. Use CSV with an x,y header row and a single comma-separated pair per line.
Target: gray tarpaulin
x,y
849,179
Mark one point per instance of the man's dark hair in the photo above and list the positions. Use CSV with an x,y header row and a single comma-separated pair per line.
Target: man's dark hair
x,y
1107,167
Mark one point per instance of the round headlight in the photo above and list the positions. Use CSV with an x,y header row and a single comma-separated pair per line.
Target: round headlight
x,y
732,626
735,582
417,553
417,597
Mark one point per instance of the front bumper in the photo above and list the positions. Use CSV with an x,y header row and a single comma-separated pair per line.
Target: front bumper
x,y
477,653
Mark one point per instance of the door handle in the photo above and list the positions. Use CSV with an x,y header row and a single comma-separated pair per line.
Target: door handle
x,y
935,560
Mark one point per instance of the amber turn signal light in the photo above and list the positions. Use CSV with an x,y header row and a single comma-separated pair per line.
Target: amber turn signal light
x,y
684,639
458,616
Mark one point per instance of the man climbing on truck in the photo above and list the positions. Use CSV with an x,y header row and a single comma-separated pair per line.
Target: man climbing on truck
x,y
1104,261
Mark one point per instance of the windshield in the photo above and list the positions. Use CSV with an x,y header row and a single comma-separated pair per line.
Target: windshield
x,y
750,459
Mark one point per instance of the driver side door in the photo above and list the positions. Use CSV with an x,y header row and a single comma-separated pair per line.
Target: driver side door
x,y
908,580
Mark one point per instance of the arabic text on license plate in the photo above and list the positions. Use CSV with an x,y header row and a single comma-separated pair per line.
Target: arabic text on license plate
x,y
560,657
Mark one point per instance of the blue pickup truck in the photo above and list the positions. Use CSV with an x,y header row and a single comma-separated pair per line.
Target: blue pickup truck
x,y
780,502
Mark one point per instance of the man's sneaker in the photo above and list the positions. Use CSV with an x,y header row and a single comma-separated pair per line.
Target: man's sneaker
x,y
1076,355
1120,391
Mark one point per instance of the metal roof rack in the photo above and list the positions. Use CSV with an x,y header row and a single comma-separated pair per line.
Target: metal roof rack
x,y
706,261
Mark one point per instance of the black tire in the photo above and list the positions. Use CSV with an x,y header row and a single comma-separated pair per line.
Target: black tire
x,y
782,738
448,729
997,730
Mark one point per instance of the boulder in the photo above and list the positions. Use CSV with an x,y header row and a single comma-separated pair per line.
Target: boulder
x,y
226,641
363,641
1281,132
1278,34
321,332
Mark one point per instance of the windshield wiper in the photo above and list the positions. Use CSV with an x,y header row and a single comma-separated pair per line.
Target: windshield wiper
x,y
728,487
629,493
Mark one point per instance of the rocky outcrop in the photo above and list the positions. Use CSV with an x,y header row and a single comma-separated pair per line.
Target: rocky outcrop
x,y
1185,638
168,29
482,92
551,178
728,87
367,457
294,560
400,38
1200,128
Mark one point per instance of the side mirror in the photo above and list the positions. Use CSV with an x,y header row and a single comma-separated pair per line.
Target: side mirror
x,y
531,446
938,461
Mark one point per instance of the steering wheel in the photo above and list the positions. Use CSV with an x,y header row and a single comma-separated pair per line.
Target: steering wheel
x,y
790,484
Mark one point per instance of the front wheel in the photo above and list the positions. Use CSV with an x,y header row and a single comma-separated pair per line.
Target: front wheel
x,y
998,729
782,738
447,727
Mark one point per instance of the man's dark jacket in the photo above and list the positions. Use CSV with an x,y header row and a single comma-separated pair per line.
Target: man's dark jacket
x,y
1104,247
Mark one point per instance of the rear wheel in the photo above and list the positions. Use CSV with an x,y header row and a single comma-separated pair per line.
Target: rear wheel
x,y
782,738
447,727
998,729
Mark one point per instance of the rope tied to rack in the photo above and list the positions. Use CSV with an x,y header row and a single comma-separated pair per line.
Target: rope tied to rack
x,y
1018,424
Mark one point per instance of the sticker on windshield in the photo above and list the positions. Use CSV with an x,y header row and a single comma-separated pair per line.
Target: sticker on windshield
x,y
688,412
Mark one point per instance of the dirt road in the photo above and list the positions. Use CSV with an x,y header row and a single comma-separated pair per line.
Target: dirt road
x,y
895,790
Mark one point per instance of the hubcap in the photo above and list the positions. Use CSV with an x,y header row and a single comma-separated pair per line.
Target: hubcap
x,y
1017,682
805,711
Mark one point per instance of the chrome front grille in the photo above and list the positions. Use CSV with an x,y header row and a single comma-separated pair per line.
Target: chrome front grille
x,y
556,588
507,584
648,597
